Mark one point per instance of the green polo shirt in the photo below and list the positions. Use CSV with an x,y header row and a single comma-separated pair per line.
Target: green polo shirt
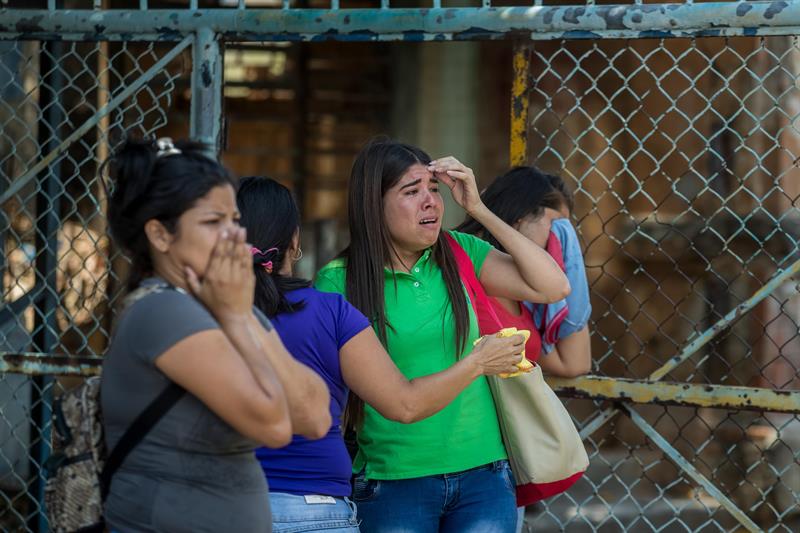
x,y
421,341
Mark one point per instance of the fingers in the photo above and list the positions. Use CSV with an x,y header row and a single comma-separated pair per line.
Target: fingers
x,y
507,347
192,280
501,355
217,255
512,342
449,182
243,257
225,257
457,175
514,349
447,163
228,251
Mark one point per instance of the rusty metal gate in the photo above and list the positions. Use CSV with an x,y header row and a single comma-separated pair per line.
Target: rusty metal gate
x,y
675,124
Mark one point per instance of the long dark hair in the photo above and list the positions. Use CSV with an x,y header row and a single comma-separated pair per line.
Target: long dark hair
x,y
150,184
270,215
377,168
520,192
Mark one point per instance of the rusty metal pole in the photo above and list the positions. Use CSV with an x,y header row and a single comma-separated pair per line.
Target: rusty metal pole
x,y
520,89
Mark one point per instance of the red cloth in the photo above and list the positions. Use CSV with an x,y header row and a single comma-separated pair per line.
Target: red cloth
x,y
487,323
558,311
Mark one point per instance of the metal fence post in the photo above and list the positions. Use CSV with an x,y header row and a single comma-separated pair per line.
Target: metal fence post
x,y
519,103
206,110
48,217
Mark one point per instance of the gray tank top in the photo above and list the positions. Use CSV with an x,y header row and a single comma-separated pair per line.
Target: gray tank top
x,y
192,472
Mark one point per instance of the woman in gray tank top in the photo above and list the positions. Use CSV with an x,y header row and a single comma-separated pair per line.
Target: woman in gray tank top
x,y
174,211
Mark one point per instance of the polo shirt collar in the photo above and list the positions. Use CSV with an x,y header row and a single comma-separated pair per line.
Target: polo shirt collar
x,y
421,263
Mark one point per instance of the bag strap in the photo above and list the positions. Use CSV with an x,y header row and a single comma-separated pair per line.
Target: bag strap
x,y
466,270
148,418
137,431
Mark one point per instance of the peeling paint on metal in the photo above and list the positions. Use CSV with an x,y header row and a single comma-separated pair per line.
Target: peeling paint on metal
x,y
615,17
774,9
386,24
518,149
681,394
41,364
572,13
205,74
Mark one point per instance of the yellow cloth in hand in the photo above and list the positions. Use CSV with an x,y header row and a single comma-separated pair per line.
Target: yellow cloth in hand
x,y
524,365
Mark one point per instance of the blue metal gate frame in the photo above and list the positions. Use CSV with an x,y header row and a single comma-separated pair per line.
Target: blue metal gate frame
x,y
204,29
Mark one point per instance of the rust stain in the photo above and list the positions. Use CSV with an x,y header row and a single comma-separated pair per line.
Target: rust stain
x,y
519,104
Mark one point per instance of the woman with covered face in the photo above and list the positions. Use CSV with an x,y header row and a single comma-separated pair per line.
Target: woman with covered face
x,y
449,472
189,320
539,206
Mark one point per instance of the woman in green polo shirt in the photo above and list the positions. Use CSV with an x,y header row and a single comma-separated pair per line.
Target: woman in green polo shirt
x,y
448,472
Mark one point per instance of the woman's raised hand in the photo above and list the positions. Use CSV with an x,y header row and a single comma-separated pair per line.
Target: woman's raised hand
x,y
228,284
498,355
460,179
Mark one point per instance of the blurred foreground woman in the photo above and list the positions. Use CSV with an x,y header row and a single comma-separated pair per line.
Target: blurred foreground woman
x,y
189,326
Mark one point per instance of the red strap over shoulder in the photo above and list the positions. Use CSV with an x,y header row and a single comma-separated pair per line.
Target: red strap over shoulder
x,y
466,270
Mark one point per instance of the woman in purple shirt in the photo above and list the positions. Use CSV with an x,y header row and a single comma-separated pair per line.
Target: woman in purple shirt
x,y
310,479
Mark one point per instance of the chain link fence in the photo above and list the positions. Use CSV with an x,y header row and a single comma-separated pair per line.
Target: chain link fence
x,y
683,157
64,106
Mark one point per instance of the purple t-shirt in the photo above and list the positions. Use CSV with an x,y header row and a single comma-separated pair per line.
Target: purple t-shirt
x,y
314,336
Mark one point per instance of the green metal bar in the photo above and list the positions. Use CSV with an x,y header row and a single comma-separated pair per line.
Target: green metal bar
x,y
92,122
39,364
415,24
777,280
206,106
690,470
681,394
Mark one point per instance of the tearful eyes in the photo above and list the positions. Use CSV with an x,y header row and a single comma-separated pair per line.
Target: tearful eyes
x,y
434,190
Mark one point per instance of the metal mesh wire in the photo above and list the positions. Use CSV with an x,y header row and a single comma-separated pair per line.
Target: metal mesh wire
x,y
682,154
54,223
683,157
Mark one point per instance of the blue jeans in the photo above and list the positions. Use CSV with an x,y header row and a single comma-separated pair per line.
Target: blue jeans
x,y
479,500
295,514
